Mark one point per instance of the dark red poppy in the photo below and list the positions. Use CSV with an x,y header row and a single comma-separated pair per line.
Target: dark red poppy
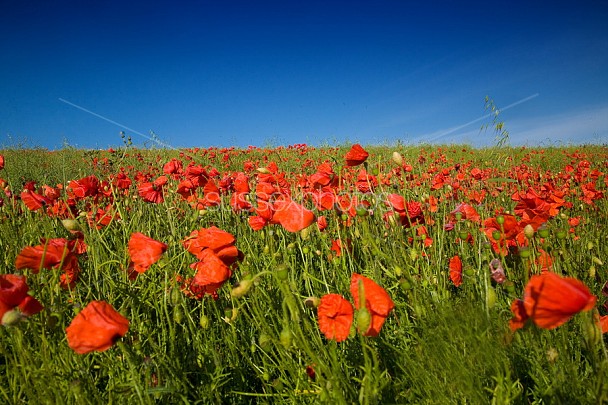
x,y
13,295
96,328
356,155
377,301
144,251
335,315
456,270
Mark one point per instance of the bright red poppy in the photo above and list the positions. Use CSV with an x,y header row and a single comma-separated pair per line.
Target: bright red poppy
x,y
335,317
377,301
144,251
13,295
215,239
211,272
356,155
291,215
550,301
1,162
456,270
96,328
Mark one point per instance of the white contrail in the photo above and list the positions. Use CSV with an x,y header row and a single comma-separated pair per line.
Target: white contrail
x,y
449,131
116,123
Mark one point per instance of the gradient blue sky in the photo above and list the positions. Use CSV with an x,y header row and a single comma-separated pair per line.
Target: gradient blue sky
x,y
283,72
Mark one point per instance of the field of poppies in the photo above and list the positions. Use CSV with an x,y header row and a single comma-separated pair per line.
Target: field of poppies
x,y
427,274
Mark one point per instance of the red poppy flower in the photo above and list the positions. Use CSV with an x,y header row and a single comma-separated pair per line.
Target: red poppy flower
x,y
335,317
1,162
377,301
456,271
356,155
551,300
153,192
13,294
49,254
215,239
211,271
33,201
144,251
291,215
96,328
604,323
520,316
85,187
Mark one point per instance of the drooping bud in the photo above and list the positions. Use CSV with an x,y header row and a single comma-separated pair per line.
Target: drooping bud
x,y
241,288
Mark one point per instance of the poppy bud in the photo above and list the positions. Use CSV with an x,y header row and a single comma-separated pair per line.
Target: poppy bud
x,y
286,338
397,158
178,315
364,320
70,224
458,216
496,235
203,322
305,233
12,317
543,231
529,231
509,286
264,341
491,297
561,234
524,252
405,284
263,170
241,288
312,302
500,220
282,272
176,296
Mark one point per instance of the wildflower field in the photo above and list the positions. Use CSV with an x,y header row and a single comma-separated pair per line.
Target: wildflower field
x,y
427,274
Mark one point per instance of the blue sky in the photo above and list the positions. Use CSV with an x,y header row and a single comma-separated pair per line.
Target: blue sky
x,y
281,72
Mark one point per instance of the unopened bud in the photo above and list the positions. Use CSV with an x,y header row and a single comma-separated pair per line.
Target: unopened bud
x,y
241,288
529,231
12,317
397,158
312,302
286,338
70,224
364,320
